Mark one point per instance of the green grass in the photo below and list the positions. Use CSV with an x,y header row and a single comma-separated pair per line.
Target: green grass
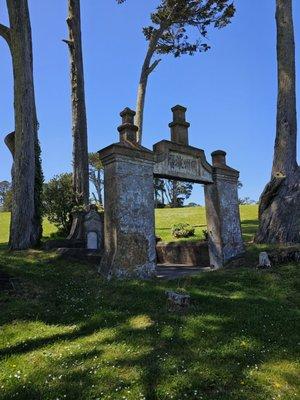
x,y
4,226
195,216
67,334
48,228
164,219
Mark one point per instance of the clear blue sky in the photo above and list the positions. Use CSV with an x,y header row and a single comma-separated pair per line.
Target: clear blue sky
x,y
230,91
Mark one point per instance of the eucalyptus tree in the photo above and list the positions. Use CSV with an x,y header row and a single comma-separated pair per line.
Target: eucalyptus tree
x,y
171,32
79,119
279,209
27,178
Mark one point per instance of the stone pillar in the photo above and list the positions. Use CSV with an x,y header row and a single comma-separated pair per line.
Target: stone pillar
x,y
129,238
222,213
179,126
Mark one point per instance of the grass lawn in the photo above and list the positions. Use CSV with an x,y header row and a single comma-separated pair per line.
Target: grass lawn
x,y
164,219
48,228
65,333
195,216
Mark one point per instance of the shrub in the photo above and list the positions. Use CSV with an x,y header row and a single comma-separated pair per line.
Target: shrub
x,y
59,202
182,230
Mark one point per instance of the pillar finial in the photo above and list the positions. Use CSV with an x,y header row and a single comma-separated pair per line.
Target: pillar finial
x,y
218,157
127,130
179,126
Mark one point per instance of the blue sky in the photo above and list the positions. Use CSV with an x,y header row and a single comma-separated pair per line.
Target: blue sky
x,y
230,91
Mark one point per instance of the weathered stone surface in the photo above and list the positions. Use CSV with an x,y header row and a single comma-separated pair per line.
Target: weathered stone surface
x,y
129,213
93,224
263,260
179,126
87,225
186,163
222,213
193,254
92,241
177,301
129,220
175,159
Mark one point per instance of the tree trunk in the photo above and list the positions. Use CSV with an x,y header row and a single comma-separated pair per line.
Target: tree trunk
x,y
279,209
147,68
140,104
25,229
79,126
99,188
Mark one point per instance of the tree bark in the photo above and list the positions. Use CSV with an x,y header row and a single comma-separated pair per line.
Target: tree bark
x,y
147,68
26,228
79,120
279,209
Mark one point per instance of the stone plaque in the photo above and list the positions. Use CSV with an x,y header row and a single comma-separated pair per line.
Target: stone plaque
x,y
92,241
189,165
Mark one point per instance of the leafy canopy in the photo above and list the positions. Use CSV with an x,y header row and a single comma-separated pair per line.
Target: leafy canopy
x,y
59,201
173,19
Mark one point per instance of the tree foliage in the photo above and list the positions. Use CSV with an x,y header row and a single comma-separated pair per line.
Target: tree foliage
x,y
171,191
59,201
5,196
173,19
179,27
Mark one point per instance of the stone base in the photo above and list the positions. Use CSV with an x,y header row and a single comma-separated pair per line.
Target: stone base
x,y
66,243
191,254
109,270
75,254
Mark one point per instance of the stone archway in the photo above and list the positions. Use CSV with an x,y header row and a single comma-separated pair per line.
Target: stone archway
x,y
129,238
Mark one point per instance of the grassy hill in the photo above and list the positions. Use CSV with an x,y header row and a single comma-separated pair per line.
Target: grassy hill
x,y
164,219
195,216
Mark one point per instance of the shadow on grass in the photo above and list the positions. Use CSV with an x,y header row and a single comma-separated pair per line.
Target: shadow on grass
x,y
123,339
249,229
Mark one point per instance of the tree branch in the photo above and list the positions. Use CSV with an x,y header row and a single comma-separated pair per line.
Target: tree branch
x,y
153,66
5,33
70,43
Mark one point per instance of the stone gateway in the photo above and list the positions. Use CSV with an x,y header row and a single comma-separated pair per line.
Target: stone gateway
x,y
129,232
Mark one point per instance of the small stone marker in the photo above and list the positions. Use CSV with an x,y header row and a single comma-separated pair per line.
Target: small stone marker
x,y
264,261
177,301
92,241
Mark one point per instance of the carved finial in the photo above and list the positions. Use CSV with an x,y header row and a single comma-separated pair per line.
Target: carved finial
x,y
179,126
218,157
128,131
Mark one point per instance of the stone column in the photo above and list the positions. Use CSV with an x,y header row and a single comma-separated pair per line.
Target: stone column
x,y
129,238
179,126
222,213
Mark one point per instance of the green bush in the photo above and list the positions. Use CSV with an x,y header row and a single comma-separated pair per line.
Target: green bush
x,y
59,202
182,230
